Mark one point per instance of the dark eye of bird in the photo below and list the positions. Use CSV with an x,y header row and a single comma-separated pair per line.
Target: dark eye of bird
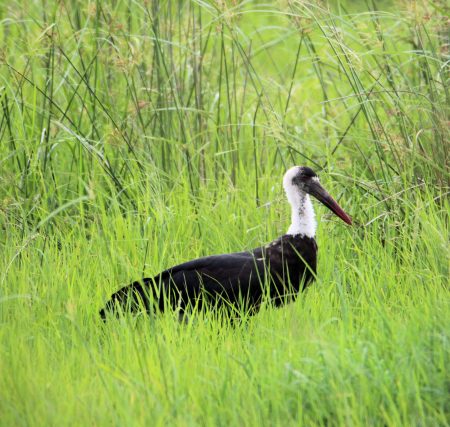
x,y
299,178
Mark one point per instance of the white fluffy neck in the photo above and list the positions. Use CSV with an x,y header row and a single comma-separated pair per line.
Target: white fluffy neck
x,y
303,219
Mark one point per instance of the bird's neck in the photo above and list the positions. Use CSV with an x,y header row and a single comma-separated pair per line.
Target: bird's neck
x,y
303,220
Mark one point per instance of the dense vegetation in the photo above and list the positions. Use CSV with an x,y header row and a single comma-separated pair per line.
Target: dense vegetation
x,y
135,135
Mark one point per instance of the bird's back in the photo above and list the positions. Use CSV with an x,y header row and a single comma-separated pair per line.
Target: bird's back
x,y
278,271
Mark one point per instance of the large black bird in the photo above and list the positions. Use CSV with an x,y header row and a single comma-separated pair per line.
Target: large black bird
x,y
241,280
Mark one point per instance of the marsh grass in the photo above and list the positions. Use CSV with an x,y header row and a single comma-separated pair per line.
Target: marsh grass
x,y
137,135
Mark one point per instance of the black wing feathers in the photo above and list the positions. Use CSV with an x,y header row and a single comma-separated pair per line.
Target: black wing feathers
x,y
230,278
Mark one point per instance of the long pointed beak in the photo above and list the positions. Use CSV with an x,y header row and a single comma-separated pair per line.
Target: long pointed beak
x,y
316,190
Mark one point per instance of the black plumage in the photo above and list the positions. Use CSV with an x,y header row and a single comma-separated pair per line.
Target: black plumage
x,y
241,280
238,280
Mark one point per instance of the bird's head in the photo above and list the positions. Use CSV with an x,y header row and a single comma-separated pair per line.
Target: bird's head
x,y
299,180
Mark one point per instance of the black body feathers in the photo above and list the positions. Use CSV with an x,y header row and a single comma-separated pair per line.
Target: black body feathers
x,y
239,280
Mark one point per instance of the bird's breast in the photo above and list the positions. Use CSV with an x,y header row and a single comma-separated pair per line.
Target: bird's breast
x,y
291,248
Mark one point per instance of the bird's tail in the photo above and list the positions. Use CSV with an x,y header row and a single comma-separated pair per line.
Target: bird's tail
x,y
131,298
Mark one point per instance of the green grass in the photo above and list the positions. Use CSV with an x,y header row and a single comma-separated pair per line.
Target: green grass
x,y
137,135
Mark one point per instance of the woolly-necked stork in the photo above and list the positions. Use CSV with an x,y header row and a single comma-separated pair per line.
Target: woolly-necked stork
x,y
278,270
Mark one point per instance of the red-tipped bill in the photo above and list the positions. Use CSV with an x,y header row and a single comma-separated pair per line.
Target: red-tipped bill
x,y
316,190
